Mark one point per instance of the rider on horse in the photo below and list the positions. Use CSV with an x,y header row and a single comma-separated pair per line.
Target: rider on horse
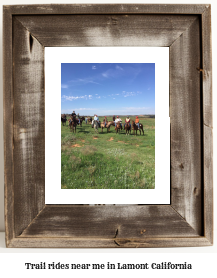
x,y
73,114
105,121
127,120
96,119
137,121
117,121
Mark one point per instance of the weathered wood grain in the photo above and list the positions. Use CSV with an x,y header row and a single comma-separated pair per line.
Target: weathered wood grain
x,y
106,9
29,131
107,30
69,242
185,113
109,221
189,221
8,126
208,183
207,118
207,67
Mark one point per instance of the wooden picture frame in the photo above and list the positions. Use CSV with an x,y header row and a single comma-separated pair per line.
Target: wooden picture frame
x,y
186,30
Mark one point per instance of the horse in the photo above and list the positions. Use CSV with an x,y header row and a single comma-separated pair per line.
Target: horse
x,y
89,119
127,128
118,127
81,120
72,124
103,125
135,128
63,119
110,123
96,125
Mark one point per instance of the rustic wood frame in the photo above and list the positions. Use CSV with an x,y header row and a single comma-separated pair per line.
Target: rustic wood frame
x,y
188,220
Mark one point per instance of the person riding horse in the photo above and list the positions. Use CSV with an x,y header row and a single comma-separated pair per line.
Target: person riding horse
x,y
96,119
73,119
127,120
63,119
73,123
73,114
137,121
118,120
105,121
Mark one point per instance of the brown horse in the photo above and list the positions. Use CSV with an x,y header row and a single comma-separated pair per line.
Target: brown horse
x,y
73,123
127,128
104,126
110,123
63,119
81,120
89,120
118,127
69,120
135,128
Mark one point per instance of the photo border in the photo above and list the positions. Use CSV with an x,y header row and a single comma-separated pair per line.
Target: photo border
x,y
53,192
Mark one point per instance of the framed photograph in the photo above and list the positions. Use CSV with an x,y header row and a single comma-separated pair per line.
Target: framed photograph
x,y
96,59
128,169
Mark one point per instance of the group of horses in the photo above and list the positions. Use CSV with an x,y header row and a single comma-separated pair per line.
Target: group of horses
x,y
128,128
73,122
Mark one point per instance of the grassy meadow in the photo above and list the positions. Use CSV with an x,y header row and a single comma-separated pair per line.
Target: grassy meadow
x,y
108,160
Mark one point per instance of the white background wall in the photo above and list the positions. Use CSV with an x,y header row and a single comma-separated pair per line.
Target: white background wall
x,y
214,47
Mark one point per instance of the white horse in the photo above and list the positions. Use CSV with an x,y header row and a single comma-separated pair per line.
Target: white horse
x,y
95,124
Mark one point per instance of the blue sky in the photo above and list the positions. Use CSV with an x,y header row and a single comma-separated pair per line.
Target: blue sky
x,y
108,89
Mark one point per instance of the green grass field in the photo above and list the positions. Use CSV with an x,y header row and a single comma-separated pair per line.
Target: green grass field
x,y
108,160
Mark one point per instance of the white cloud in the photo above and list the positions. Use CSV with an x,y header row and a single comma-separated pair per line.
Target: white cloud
x,y
113,73
81,81
130,94
105,74
93,67
64,86
96,94
98,97
119,68
113,97
85,109
71,98
120,111
77,109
